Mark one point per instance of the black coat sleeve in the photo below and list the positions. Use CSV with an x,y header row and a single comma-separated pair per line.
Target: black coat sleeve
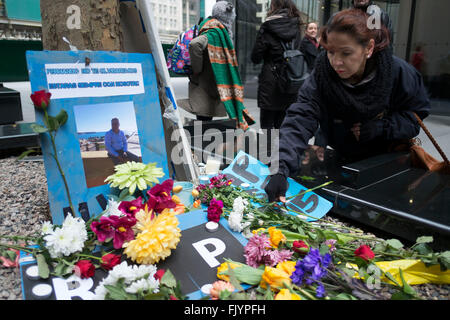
x,y
409,96
259,48
300,124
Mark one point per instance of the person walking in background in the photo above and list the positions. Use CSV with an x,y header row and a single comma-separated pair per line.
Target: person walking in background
x,y
283,24
117,146
310,47
215,87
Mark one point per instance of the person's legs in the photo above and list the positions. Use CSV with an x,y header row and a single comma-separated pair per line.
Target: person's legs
x,y
279,117
114,159
266,118
132,157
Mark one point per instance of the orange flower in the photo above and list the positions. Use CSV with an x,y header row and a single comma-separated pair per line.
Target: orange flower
x,y
197,203
218,287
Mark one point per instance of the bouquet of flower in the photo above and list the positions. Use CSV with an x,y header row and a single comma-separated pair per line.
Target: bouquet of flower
x,y
143,282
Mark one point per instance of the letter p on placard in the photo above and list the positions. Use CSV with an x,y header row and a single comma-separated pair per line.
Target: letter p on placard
x,y
210,256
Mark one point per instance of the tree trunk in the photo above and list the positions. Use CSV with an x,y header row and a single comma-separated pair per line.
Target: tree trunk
x,y
86,24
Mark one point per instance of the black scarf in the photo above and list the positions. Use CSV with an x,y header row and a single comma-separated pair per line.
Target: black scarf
x,y
361,103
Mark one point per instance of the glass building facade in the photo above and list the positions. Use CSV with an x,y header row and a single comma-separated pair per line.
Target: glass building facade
x,y
420,31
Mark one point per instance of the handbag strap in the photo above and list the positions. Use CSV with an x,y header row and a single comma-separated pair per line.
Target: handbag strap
x,y
428,133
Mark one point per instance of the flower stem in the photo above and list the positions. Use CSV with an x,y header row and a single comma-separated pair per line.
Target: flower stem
x,y
55,156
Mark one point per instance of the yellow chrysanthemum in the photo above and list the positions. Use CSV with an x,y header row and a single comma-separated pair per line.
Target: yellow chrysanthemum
x,y
285,294
156,240
276,236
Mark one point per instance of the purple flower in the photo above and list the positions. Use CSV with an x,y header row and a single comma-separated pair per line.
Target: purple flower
x,y
312,269
320,291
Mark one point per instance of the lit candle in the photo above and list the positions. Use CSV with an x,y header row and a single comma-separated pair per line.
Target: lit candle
x,y
42,291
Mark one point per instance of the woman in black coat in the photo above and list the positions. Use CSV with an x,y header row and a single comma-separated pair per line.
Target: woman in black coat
x,y
309,46
362,96
282,25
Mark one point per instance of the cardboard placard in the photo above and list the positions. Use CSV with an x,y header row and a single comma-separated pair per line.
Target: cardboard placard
x,y
247,169
194,262
113,85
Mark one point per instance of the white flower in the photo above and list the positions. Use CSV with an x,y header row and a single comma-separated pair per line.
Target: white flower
x,y
68,239
239,205
144,285
113,209
136,278
234,221
46,228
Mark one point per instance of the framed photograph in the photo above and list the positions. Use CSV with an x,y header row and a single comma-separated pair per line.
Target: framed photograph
x,y
114,116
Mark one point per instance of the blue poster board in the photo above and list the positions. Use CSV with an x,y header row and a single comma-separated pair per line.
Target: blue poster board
x,y
113,85
247,169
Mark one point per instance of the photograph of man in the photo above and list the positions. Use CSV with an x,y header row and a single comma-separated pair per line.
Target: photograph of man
x,y
117,146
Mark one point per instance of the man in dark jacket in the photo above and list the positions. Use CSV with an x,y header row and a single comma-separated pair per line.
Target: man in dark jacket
x,y
268,49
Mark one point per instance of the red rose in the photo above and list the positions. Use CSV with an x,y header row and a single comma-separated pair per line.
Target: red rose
x,y
364,252
300,247
159,274
41,99
109,261
172,297
84,269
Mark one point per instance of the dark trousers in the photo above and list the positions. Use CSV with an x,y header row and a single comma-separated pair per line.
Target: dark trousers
x,y
271,119
129,157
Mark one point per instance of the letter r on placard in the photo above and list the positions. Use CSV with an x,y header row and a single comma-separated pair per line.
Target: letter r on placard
x,y
210,256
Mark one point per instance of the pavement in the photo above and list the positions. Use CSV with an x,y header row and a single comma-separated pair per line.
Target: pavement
x,y
438,123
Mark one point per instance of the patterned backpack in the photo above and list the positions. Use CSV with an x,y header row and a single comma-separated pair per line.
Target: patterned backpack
x,y
178,59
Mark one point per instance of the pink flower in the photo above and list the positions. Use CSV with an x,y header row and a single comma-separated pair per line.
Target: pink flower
x,y
159,197
215,210
255,250
259,251
218,287
131,207
114,227
331,244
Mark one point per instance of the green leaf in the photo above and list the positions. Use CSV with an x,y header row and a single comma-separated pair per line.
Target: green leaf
x,y
52,123
233,280
444,260
155,296
43,269
425,239
117,293
247,274
423,249
38,128
391,277
62,117
394,243
168,279
26,153
406,287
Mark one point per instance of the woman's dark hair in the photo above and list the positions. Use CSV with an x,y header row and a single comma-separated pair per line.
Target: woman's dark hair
x,y
277,5
354,23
